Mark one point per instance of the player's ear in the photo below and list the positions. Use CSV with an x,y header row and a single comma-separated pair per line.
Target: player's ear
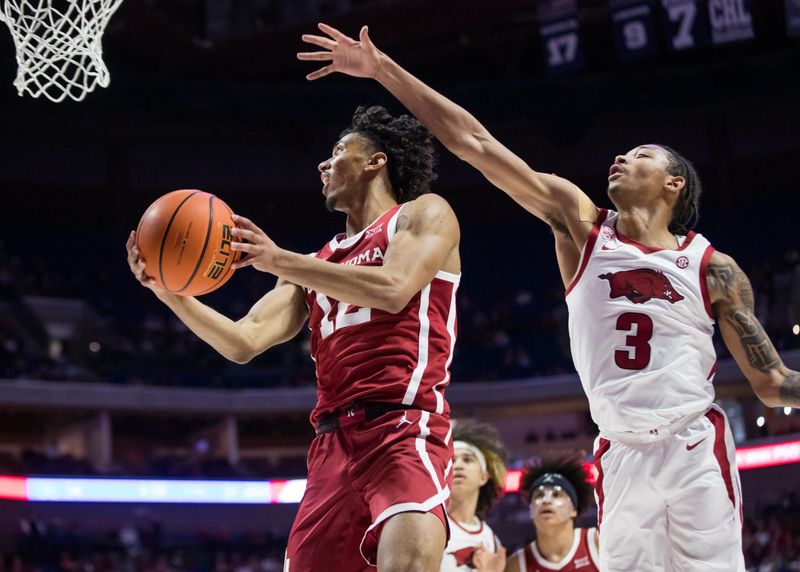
x,y
377,161
484,478
674,184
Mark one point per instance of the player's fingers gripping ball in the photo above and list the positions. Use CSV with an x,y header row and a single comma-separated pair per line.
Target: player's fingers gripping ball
x,y
184,238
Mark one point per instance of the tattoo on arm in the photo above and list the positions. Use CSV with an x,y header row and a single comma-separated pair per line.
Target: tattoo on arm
x,y
790,390
736,307
729,280
721,277
760,352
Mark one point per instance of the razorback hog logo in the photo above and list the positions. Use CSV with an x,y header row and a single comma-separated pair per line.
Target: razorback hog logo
x,y
641,285
464,556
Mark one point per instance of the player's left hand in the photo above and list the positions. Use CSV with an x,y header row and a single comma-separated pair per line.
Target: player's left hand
x,y
487,561
356,58
250,239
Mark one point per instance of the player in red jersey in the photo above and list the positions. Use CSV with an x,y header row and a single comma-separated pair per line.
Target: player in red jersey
x,y
641,324
557,493
380,303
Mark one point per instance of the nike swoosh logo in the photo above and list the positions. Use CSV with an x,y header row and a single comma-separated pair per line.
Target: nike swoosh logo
x,y
690,447
604,247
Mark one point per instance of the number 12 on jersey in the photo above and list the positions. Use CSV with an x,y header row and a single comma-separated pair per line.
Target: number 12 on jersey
x,y
344,317
636,355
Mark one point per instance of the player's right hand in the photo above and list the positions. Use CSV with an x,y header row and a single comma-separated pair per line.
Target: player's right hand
x,y
137,265
487,561
357,58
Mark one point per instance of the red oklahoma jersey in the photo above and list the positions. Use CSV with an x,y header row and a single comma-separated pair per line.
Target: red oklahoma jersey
x,y
366,354
582,557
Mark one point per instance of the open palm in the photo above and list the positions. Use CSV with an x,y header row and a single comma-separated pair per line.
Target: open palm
x,y
356,58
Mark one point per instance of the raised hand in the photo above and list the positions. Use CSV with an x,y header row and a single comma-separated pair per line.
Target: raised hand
x,y
356,58
253,241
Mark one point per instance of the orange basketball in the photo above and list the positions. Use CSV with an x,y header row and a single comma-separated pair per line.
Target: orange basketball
x,y
185,240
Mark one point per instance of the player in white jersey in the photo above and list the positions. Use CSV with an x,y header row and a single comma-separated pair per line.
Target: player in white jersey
x,y
478,481
643,293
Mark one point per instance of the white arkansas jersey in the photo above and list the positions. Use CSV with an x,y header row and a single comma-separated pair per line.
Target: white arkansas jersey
x,y
640,325
462,544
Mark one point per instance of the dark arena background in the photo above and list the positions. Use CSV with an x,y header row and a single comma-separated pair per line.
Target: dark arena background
x,y
99,383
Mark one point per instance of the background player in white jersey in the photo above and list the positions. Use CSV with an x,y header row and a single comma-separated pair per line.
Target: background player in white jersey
x,y
380,304
641,321
478,481
557,493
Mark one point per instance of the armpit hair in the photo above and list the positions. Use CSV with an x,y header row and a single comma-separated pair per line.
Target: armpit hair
x,y
556,223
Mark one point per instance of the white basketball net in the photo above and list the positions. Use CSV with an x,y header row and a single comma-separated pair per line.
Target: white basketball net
x,y
59,51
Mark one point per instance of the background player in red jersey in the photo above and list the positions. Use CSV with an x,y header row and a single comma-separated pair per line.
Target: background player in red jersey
x,y
557,493
641,322
380,303
479,475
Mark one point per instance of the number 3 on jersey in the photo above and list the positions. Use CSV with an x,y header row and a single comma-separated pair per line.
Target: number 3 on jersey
x,y
637,353
343,319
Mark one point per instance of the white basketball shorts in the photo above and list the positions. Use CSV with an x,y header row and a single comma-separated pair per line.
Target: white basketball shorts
x,y
673,504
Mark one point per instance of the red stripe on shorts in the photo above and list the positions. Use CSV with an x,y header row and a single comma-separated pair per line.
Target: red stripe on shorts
x,y
721,451
605,444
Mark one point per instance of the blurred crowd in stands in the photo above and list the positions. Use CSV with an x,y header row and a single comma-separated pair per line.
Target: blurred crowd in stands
x,y
51,462
771,537
131,338
58,546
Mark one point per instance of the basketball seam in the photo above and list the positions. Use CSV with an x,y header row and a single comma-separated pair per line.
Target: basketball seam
x,y
164,241
205,244
230,266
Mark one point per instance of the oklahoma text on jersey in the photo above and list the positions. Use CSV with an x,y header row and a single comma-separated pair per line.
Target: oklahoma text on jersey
x,y
366,354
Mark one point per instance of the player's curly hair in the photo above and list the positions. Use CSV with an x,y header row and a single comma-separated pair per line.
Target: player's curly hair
x,y
407,144
568,464
686,212
486,438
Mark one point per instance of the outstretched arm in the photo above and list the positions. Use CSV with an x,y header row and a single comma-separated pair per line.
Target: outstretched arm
x,y
275,318
553,199
426,240
732,300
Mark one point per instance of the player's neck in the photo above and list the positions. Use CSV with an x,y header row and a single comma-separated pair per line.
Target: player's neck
x,y
555,542
377,200
649,227
463,509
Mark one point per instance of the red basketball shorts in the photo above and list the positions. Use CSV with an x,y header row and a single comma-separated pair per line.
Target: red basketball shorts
x,y
359,477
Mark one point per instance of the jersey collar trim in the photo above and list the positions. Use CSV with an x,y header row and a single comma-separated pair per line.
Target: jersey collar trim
x,y
343,241
462,526
544,563
650,249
